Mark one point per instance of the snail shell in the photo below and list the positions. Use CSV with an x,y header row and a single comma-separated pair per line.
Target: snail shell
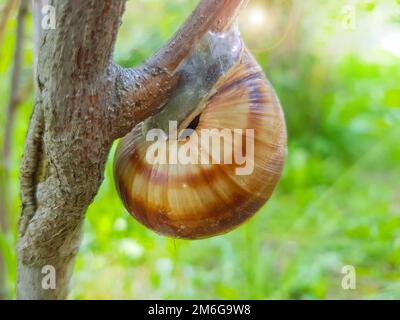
x,y
198,200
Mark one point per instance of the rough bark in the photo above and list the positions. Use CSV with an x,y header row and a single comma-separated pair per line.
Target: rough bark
x,y
83,103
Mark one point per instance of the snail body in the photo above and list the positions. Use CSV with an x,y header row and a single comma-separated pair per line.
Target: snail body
x,y
213,190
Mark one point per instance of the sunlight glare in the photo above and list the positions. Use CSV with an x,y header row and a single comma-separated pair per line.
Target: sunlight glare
x,y
257,17
391,43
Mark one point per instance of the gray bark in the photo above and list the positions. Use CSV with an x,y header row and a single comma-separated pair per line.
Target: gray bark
x,y
83,103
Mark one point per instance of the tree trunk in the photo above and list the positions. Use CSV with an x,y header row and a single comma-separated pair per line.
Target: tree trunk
x,y
83,103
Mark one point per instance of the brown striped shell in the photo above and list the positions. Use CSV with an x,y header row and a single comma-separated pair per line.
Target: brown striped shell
x,y
201,200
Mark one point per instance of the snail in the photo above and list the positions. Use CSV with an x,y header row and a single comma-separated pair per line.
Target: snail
x,y
183,184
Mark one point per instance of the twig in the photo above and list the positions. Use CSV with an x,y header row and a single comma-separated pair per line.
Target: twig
x,y
210,15
151,84
6,13
12,105
15,82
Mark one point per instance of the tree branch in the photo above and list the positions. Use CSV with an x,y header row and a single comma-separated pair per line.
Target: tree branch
x,y
12,106
210,15
83,102
68,139
6,13
142,91
87,53
15,81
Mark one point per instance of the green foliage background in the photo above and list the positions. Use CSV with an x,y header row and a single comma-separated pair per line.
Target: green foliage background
x,y
337,204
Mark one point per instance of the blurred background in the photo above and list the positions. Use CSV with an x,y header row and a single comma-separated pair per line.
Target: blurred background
x,y
336,68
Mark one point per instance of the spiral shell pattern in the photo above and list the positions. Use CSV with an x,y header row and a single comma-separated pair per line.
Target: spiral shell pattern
x,y
194,201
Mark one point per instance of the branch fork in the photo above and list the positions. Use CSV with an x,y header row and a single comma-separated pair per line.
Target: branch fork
x,y
84,101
